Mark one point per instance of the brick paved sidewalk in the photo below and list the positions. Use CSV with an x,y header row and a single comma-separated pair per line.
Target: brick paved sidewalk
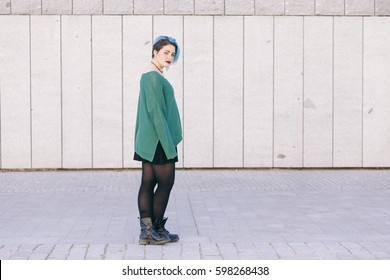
x,y
219,214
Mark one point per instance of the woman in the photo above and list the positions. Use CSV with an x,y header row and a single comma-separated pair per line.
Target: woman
x,y
158,132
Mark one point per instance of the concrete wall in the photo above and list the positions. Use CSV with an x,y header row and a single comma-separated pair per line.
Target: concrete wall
x,y
256,88
197,7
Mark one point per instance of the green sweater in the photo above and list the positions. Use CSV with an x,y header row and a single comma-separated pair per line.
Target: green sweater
x,y
157,117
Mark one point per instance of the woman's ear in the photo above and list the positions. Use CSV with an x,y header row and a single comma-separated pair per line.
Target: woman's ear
x,y
155,53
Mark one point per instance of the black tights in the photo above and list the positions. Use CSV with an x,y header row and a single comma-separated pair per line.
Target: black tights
x,y
152,204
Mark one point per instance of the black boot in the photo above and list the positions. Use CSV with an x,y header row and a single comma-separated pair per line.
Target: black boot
x,y
160,228
149,235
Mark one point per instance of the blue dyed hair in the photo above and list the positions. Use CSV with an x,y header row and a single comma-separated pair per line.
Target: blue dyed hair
x,y
162,41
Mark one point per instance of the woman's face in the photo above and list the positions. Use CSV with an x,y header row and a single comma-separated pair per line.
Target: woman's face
x,y
165,56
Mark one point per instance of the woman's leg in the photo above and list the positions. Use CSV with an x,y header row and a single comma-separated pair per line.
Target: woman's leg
x,y
165,177
148,233
146,191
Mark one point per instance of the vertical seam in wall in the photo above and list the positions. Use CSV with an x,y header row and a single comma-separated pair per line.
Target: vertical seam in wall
x,y
243,91
123,119
152,31
303,91
362,136
41,8
72,8
31,109
333,91
61,96
273,91
102,7
284,7
92,124
183,88
1,158
213,114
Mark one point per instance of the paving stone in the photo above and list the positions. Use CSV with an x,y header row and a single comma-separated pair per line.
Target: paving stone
x,y
134,252
153,252
77,252
96,251
115,251
60,252
209,249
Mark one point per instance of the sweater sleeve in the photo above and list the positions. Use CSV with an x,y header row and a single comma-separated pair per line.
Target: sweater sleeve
x,y
156,106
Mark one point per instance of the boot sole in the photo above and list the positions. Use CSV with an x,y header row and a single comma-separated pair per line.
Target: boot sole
x,y
153,242
174,240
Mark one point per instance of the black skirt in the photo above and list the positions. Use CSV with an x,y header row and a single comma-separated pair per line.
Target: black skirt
x,y
159,156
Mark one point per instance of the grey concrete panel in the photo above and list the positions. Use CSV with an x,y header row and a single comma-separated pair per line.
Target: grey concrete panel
x,y
239,7
148,7
118,7
46,92
318,92
228,92
376,94
173,26
27,7
299,7
5,7
348,92
76,92
179,7
359,7
60,7
137,53
210,7
266,7
198,92
15,92
87,7
258,91
330,7
288,92
107,91
382,7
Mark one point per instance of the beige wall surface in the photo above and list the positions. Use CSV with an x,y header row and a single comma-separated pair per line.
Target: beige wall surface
x,y
295,84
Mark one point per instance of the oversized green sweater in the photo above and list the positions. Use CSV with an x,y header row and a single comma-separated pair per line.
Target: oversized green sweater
x,y
157,117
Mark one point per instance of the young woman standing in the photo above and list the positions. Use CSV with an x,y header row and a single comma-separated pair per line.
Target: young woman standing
x,y
158,132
